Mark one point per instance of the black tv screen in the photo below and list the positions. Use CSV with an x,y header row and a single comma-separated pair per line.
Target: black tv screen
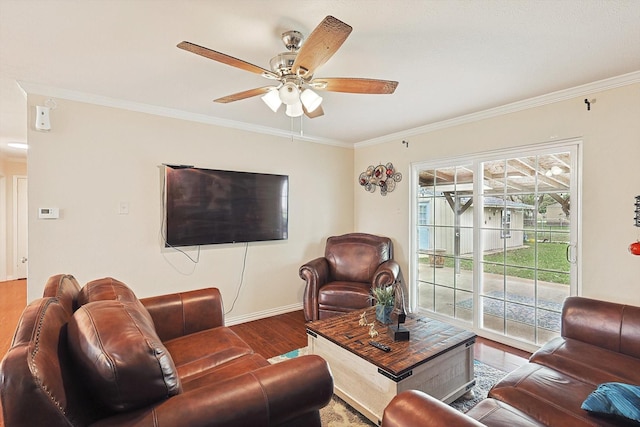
x,y
206,206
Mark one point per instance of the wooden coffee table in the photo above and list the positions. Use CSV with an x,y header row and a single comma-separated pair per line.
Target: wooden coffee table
x,y
438,359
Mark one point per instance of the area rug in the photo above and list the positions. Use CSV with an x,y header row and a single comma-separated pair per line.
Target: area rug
x,y
339,414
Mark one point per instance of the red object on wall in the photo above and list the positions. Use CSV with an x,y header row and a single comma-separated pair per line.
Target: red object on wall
x,y
634,248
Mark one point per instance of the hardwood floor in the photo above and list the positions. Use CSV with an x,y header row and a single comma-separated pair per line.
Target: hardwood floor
x,y
13,299
270,337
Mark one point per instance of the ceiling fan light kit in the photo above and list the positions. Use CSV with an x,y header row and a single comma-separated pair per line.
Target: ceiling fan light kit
x,y
289,93
310,99
294,70
294,110
272,99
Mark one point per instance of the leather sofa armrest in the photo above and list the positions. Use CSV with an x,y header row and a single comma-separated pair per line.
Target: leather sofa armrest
x,y
315,273
386,273
272,395
417,409
184,313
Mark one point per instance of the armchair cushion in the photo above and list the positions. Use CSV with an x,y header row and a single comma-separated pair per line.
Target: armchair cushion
x,y
353,295
120,355
355,257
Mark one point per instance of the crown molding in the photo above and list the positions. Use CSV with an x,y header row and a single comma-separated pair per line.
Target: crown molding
x,y
538,101
43,90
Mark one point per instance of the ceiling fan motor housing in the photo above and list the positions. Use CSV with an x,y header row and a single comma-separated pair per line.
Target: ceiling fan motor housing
x,y
282,63
292,40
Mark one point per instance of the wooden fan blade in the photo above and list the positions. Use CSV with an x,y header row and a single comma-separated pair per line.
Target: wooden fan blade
x,y
315,113
354,85
225,59
243,95
321,44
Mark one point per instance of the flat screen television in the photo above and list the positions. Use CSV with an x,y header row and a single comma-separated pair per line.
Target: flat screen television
x,y
207,206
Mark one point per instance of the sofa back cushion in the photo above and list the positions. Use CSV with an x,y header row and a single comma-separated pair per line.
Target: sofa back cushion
x,y
355,257
106,288
120,355
609,325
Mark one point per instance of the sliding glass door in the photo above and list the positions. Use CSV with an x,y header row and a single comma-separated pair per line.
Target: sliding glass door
x,y
495,240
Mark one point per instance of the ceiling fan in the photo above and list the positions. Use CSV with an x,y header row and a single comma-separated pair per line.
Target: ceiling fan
x,y
294,71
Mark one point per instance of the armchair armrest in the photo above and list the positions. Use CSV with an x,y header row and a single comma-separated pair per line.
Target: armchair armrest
x,y
386,274
183,313
417,409
315,273
268,396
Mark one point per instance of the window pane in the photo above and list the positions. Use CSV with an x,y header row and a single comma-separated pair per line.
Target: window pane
x,y
464,306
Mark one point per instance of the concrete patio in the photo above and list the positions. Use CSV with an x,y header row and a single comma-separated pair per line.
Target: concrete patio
x,y
452,296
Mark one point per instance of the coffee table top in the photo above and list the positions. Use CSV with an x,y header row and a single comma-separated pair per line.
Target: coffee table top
x,y
429,338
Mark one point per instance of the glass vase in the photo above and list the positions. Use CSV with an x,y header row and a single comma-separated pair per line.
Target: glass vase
x,y
383,313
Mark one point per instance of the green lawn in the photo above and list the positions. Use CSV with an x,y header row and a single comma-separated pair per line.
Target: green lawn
x,y
552,263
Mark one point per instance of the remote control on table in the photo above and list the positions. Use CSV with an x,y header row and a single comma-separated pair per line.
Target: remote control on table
x,y
382,347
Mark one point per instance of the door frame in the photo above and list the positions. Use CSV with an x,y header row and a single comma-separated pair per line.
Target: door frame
x,y
16,236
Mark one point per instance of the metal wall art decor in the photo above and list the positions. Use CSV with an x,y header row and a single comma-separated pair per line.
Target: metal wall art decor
x,y
383,176
634,248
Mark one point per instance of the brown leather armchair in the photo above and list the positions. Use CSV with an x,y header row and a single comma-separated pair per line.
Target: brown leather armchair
x,y
341,281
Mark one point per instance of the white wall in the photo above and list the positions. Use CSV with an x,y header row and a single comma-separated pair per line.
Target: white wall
x,y
9,168
611,157
95,157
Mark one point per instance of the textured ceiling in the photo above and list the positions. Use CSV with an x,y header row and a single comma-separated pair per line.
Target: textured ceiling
x,y
451,57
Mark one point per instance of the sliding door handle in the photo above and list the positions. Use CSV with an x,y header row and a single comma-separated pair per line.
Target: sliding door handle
x,y
571,255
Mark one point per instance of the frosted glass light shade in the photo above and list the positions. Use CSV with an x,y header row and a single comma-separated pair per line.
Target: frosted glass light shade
x,y
289,93
310,100
294,110
272,99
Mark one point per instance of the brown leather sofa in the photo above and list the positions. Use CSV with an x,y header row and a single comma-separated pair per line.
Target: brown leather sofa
x,y
341,280
599,343
98,356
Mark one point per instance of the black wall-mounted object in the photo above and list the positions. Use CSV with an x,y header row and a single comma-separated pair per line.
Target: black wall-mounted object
x,y
208,206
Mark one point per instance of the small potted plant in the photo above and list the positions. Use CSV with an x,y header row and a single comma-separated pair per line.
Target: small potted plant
x,y
384,297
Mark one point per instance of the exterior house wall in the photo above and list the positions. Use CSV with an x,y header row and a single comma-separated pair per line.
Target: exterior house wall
x,y
442,238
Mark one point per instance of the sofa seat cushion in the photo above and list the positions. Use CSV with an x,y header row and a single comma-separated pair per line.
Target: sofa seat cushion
x,y
120,356
588,363
198,352
346,295
494,413
547,395
232,368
